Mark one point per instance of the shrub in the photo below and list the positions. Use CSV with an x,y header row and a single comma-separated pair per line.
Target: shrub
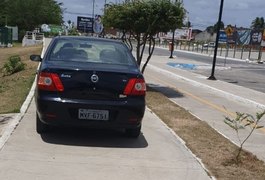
x,y
13,65
241,121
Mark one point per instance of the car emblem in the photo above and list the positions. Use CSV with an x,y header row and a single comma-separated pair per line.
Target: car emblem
x,y
94,78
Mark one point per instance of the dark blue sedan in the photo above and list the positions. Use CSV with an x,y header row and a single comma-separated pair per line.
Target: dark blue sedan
x,y
89,82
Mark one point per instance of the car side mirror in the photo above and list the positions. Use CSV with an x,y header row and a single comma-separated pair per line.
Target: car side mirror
x,y
36,58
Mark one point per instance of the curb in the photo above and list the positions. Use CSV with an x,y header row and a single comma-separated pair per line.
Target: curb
x,y
184,144
9,129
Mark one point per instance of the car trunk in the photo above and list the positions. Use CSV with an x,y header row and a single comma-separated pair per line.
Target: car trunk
x,y
80,86
108,84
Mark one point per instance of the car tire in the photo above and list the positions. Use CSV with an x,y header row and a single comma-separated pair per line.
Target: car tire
x,y
133,132
40,126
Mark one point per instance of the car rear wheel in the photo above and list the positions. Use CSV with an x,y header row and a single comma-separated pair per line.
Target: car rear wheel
x,y
40,126
133,133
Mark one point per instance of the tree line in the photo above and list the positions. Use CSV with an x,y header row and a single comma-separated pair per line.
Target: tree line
x,y
29,14
257,23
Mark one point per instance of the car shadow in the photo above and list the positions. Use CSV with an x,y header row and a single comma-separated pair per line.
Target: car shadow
x,y
167,91
93,138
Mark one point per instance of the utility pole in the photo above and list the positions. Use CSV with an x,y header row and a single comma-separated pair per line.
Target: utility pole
x,y
217,39
172,44
93,11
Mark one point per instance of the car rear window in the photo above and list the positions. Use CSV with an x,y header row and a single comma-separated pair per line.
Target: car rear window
x,y
93,51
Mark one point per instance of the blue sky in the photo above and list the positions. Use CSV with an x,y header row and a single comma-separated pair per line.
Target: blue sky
x,y
76,8
201,13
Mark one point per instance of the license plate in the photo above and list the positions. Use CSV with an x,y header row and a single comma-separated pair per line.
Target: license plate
x,y
92,114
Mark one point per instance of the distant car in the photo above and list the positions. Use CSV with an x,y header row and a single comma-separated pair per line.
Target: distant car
x,y
89,82
210,45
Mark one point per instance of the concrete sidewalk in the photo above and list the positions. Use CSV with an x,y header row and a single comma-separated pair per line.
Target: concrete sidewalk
x,y
158,154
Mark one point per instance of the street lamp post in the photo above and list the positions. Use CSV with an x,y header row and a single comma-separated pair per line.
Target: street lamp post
x,y
217,39
93,11
172,45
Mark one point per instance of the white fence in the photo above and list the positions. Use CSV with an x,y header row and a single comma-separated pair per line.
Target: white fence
x,y
32,38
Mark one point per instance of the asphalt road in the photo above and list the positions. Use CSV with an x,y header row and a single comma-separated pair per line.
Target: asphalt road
x,y
242,73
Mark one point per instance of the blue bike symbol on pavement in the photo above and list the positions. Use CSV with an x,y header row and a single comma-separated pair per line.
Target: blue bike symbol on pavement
x,y
182,65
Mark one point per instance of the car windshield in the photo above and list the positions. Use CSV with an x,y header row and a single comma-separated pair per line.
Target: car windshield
x,y
90,50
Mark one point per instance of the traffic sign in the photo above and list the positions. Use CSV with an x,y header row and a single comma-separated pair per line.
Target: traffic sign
x,y
229,31
85,24
222,37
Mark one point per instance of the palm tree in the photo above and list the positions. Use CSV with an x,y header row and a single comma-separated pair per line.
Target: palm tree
x,y
258,23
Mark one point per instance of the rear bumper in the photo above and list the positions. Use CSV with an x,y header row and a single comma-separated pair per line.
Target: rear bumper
x,y
62,112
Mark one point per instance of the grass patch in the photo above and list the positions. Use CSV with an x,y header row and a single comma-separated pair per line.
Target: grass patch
x,y
14,88
217,153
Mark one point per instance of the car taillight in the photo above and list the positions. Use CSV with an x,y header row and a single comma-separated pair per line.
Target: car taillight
x,y
50,82
135,87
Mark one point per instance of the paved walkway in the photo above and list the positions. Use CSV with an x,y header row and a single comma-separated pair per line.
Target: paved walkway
x,y
96,154
5,119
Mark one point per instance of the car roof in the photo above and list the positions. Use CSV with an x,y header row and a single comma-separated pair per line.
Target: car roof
x,y
88,38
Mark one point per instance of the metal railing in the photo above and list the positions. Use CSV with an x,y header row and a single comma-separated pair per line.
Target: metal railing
x,y
251,53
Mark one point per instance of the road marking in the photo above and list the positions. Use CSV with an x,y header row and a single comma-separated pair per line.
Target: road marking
x,y
203,101
208,103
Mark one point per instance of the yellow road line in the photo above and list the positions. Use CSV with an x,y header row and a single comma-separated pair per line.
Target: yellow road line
x,y
214,106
